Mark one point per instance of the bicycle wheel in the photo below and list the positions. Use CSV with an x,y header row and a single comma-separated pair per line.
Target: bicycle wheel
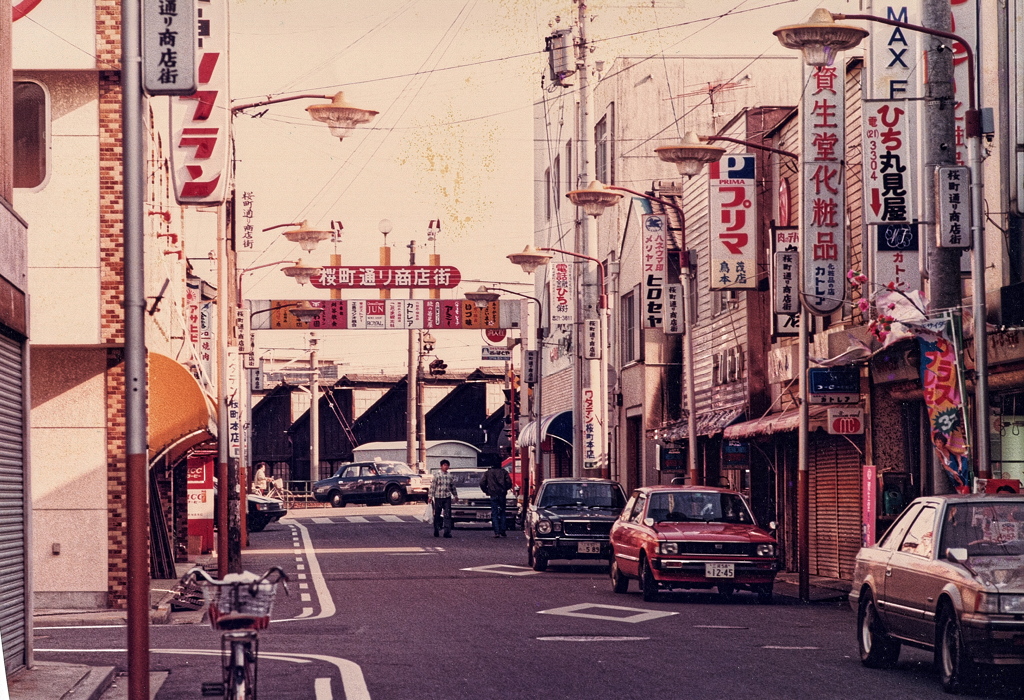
x,y
239,672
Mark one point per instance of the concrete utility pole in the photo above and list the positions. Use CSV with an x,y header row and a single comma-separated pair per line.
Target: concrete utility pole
x,y
588,372
939,150
314,410
411,389
943,264
136,442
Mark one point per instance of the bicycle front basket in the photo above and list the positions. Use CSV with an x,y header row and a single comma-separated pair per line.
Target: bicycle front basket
x,y
240,604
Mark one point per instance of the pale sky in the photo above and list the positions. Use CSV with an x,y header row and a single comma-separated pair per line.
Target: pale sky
x,y
450,143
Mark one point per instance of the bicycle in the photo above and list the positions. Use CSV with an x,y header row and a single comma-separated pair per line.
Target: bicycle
x,y
239,607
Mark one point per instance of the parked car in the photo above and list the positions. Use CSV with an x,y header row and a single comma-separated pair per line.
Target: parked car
x,y
571,519
691,537
947,576
262,510
473,505
373,483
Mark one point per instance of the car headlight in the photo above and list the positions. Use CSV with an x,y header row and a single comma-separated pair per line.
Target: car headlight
x,y
765,550
668,548
544,527
415,481
1011,604
322,489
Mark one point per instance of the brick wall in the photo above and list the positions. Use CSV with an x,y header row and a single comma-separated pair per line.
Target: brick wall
x,y
557,392
108,20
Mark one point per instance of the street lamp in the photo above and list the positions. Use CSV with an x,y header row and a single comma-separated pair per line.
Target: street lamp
x,y
301,272
483,296
306,237
340,116
689,155
819,39
530,259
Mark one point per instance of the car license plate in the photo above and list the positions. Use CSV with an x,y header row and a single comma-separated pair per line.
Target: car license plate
x,y
720,570
588,547
481,515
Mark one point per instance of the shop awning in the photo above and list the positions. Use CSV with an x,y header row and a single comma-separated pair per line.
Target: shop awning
x,y
709,423
777,423
179,413
557,425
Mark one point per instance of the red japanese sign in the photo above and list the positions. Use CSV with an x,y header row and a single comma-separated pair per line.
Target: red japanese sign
x,y
733,222
390,277
200,123
823,191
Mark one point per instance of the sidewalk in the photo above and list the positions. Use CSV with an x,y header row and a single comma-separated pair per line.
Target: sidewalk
x,y
822,590
47,680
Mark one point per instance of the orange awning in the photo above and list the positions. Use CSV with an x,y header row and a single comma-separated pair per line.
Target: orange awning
x,y
179,413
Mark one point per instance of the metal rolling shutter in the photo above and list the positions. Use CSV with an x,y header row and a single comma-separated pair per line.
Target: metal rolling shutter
x,y
12,504
835,506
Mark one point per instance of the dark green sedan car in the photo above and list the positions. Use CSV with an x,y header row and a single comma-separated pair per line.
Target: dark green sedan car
x,y
372,482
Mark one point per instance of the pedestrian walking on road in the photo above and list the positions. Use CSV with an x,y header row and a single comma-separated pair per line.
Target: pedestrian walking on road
x,y
496,484
442,493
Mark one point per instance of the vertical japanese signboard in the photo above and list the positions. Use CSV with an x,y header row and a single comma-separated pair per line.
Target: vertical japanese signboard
x,y
786,280
674,309
965,25
200,123
655,265
563,307
733,221
169,47
823,190
591,432
891,152
234,400
953,207
592,339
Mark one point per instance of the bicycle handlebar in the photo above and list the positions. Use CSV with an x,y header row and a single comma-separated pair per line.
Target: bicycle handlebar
x,y
197,572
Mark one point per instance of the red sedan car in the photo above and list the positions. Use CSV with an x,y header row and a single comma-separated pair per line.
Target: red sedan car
x,y
691,537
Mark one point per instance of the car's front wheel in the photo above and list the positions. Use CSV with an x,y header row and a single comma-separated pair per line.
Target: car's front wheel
x,y
256,523
620,584
648,584
877,649
337,500
956,670
395,496
539,559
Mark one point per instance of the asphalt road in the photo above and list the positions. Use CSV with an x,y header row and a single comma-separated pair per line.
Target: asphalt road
x,y
381,609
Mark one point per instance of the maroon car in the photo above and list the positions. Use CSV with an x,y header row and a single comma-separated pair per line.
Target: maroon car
x,y
691,537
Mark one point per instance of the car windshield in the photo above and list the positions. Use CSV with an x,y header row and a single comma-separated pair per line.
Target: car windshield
x,y
394,468
581,495
463,478
985,529
703,506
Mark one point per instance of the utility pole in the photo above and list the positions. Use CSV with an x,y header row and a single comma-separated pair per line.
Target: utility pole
x,y
411,389
943,264
314,410
588,372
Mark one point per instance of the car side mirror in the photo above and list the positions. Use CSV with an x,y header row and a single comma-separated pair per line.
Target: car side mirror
x,y
773,525
957,555
649,522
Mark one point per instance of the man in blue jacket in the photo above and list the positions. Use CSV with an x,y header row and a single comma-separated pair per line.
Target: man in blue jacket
x,y
496,484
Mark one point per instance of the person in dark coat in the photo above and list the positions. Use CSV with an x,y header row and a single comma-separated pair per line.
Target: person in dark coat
x,y
496,483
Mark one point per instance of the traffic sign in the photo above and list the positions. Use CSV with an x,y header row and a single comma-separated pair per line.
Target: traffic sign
x,y
491,353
